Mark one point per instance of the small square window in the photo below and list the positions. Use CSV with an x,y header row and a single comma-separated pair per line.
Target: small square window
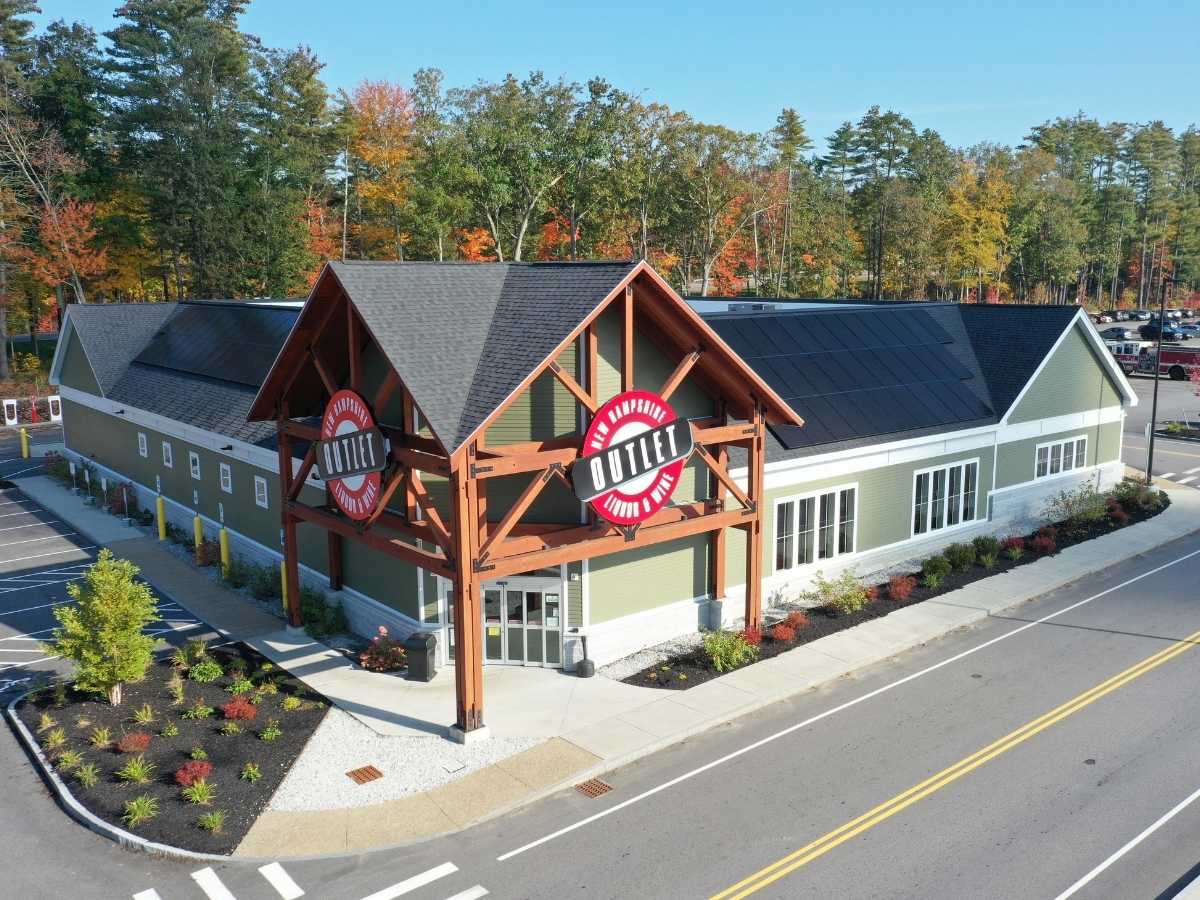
x,y
168,460
226,478
194,464
143,445
260,492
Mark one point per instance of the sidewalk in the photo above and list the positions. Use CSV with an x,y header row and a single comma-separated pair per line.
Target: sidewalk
x,y
587,726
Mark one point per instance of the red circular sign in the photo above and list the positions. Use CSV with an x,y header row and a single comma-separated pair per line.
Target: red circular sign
x,y
618,424
347,413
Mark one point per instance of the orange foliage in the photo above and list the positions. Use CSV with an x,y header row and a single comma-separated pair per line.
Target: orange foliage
x,y
66,236
475,244
554,242
382,140
322,236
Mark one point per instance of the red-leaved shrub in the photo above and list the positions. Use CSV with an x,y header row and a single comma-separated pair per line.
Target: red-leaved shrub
x,y
192,771
873,593
1042,544
784,633
134,742
1048,531
383,654
797,620
1013,541
1116,511
900,586
752,636
240,708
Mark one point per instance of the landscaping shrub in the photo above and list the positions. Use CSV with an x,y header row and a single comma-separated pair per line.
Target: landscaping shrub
x,y
88,775
727,650
752,636
784,633
205,671
134,742
212,821
198,753
872,593
264,583
1014,547
960,556
320,617
208,553
250,772
55,739
934,570
136,771
239,685
122,500
57,467
291,704
271,732
797,620
842,596
100,737
989,560
144,714
169,730
240,708
140,809
383,654
192,771
200,792
900,586
197,710
1078,507
238,573
1116,512
1042,544
985,543
68,760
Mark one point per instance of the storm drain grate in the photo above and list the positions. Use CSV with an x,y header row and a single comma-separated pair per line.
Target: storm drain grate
x,y
593,787
363,775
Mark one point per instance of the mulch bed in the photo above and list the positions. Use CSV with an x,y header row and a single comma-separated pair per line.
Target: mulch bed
x,y
1186,433
686,670
176,822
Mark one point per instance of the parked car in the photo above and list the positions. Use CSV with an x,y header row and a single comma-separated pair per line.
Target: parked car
x,y
1117,334
1149,332
1191,329
1141,315
1174,314
1102,319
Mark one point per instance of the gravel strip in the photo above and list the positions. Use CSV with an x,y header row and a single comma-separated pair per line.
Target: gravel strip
x,y
650,656
409,765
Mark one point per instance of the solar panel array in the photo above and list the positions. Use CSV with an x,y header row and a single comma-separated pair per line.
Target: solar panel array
x,y
232,342
854,373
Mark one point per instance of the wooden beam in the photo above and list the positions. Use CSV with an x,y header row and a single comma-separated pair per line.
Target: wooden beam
x,y
420,459
526,462
291,550
591,357
723,477
297,485
627,340
716,563
681,372
354,347
385,496
741,433
335,560
383,393
468,611
434,519
434,561
492,451
331,386
755,463
574,387
300,430
536,485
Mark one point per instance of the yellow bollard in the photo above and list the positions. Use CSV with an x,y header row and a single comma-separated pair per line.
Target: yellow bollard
x,y
197,536
283,585
223,539
24,442
160,510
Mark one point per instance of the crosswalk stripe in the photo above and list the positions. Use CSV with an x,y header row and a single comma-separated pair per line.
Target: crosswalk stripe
x,y
211,884
1192,471
151,894
472,893
281,881
1167,475
1186,480
411,884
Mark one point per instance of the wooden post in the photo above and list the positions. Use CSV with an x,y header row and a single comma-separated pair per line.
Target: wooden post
x,y
335,560
468,612
755,462
291,562
716,565
627,341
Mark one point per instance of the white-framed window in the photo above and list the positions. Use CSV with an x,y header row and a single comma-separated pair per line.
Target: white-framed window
x,y
143,445
813,527
194,464
226,478
945,497
1057,457
168,459
260,492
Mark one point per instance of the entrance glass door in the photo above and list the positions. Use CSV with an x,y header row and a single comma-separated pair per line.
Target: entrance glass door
x,y
534,651
514,625
522,623
493,627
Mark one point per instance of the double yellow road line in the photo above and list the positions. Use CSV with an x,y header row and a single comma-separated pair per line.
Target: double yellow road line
x,y
949,775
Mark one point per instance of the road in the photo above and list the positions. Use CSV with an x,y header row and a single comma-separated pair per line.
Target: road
x,y
1177,460
1028,817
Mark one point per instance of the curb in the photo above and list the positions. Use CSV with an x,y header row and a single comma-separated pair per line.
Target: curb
x,y
1176,437
86,818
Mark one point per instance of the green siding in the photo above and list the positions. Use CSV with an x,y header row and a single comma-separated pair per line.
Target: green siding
x,y
1015,464
649,577
543,411
1074,380
76,371
574,595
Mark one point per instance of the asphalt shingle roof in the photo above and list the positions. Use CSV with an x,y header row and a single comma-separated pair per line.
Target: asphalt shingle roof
x,y
112,334
463,337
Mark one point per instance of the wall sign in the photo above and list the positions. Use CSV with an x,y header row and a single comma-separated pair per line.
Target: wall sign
x,y
351,454
633,454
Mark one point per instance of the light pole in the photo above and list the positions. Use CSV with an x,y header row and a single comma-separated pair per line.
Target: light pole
x,y
1162,324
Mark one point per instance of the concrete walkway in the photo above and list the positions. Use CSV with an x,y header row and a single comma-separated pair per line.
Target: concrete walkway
x,y
590,725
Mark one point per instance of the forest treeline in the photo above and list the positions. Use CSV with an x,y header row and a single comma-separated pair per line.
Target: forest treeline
x,y
178,156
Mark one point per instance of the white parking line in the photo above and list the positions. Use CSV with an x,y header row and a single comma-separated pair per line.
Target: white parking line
x,y
30,525
281,881
211,885
411,884
150,894
13,612
39,540
41,555
30,663
1192,471
1190,478
472,893
1090,876
1167,475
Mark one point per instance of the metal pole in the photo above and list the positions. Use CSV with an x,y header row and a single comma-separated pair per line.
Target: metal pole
x,y
1162,324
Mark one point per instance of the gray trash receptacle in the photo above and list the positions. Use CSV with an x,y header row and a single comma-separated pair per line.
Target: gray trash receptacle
x,y
421,650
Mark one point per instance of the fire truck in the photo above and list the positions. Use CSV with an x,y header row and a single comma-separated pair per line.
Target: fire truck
x,y
1129,353
1177,363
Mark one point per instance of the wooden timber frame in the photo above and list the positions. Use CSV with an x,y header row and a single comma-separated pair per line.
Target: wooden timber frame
x,y
324,354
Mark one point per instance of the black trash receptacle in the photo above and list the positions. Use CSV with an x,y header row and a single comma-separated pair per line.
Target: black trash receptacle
x,y
421,648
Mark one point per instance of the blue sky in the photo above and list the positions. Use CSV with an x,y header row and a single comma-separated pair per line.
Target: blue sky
x,y
973,71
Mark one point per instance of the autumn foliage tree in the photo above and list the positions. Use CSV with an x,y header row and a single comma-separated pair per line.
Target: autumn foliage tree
x,y
381,150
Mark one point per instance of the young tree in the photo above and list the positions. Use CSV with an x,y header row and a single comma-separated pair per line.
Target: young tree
x,y
102,633
381,147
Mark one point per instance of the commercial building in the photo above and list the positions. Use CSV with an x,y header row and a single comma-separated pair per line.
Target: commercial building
x,y
518,455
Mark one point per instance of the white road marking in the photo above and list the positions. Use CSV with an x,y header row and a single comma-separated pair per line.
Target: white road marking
x,y
472,893
40,555
1090,876
23,471
38,540
281,881
23,512
411,884
151,894
1167,475
25,637
1192,471
211,885
762,742
6,650
30,663
13,612
1190,478
30,525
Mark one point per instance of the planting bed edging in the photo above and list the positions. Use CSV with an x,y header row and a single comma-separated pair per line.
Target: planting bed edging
x,y
85,817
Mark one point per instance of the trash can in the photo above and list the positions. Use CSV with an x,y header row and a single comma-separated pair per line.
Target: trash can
x,y
420,648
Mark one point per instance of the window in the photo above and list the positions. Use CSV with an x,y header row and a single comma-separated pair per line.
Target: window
x,y
143,445
194,464
819,526
1059,457
166,451
226,478
945,497
260,492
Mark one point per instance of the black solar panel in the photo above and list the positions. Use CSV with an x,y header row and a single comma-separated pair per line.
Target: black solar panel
x,y
858,372
234,342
